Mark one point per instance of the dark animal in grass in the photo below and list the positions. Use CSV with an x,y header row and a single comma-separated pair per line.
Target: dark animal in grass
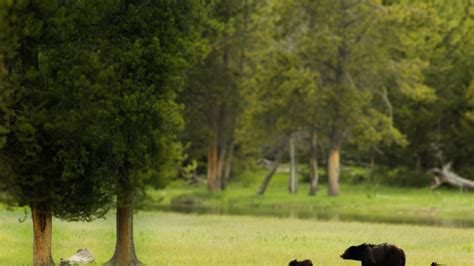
x,y
301,263
376,255
436,264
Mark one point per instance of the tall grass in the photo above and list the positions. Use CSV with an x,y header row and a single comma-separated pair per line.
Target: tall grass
x,y
177,239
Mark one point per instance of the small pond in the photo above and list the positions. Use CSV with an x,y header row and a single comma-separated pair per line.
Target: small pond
x,y
311,214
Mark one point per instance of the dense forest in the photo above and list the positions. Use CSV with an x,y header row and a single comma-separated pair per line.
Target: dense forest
x,y
385,84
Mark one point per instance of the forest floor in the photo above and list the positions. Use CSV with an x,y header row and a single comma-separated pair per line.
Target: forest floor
x,y
364,202
164,238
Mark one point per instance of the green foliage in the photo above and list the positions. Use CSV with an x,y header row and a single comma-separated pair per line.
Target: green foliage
x,y
469,115
143,58
211,98
48,159
388,79
437,129
400,176
392,79
333,67
88,107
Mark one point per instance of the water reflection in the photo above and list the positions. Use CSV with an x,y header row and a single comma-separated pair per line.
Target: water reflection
x,y
311,214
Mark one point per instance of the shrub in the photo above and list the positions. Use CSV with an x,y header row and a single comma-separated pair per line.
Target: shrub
x,y
400,176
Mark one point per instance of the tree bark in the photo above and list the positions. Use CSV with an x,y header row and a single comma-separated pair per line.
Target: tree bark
x,y
292,177
42,230
212,164
313,165
124,246
333,169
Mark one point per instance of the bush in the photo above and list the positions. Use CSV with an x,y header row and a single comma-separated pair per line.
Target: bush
x,y
303,171
400,176
354,175
248,178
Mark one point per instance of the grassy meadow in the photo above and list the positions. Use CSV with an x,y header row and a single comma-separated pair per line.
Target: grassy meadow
x,y
187,239
428,225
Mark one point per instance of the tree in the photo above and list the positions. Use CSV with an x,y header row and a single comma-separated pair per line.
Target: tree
x,y
212,95
49,159
144,52
90,104
277,92
437,128
340,85
363,54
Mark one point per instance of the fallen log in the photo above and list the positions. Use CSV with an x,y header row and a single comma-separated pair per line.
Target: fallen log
x,y
446,176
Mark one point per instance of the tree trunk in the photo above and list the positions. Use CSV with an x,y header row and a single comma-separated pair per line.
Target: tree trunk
x,y
268,177
333,170
212,178
292,176
228,165
42,229
313,165
124,246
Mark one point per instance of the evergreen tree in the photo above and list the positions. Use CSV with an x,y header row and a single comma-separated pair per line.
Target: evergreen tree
x,y
145,49
88,110
212,95
49,157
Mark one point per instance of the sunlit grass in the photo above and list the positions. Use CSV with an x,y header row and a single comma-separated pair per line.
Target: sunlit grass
x,y
176,239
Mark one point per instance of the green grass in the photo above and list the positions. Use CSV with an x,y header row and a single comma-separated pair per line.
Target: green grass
x,y
164,238
447,207
178,239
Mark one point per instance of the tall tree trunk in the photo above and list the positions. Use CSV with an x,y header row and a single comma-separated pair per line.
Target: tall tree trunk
x,y
336,135
292,177
268,177
333,169
313,164
42,229
228,165
218,153
124,246
212,164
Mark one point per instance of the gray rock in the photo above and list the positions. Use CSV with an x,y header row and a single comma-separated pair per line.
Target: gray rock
x,y
82,256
